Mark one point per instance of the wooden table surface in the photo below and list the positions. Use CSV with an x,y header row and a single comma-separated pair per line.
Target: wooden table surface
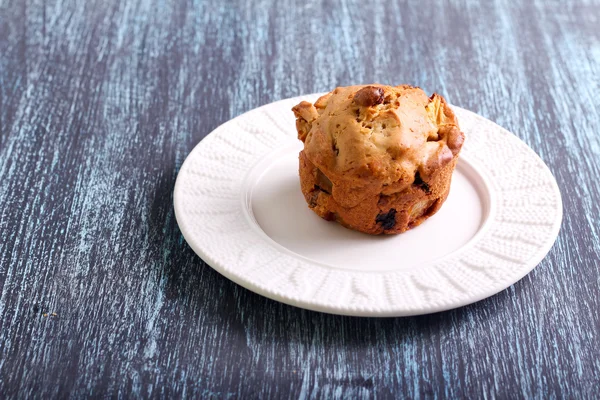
x,y
101,101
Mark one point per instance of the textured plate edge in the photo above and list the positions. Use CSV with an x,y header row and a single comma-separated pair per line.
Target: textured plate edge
x,y
489,291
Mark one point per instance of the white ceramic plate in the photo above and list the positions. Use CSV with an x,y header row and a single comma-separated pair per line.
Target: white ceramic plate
x,y
238,203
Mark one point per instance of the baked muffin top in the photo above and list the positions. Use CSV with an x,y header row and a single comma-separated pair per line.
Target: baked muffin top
x,y
377,137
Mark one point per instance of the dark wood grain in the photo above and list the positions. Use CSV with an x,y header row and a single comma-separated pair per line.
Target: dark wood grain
x,y
100,102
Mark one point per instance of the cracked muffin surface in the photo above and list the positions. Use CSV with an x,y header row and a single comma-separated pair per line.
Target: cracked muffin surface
x,y
376,158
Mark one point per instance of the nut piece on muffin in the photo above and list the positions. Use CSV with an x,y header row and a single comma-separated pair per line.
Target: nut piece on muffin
x,y
377,159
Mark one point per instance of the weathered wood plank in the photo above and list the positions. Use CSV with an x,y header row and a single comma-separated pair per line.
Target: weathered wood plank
x,y
100,102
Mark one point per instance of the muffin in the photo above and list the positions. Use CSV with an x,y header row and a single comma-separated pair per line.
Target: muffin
x,y
377,159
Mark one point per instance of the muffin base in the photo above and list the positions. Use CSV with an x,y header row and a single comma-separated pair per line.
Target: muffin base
x,y
377,213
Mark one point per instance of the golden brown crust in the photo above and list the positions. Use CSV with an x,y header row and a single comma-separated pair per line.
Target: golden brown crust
x,y
377,159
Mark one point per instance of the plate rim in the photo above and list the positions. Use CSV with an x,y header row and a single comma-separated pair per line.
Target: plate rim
x,y
488,291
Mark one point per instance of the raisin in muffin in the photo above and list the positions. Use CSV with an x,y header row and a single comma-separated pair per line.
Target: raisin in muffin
x,y
377,159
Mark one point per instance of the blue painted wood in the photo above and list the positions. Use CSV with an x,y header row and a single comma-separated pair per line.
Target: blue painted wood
x,y
100,102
